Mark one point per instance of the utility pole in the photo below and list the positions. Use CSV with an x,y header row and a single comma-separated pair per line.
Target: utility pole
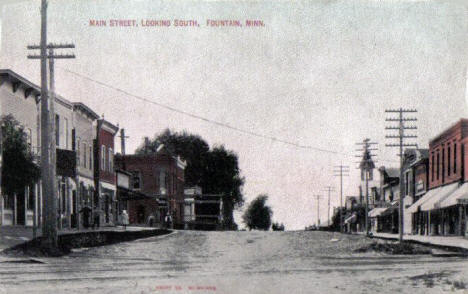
x,y
366,166
318,210
48,151
329,189
401,137
122,141
343,170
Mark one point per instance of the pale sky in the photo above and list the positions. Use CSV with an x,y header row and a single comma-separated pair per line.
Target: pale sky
x,y
319,73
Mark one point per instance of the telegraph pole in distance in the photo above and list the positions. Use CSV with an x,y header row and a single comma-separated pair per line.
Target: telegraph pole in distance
x,y
49,187
401,137
318,210
343,170
366,166
329,189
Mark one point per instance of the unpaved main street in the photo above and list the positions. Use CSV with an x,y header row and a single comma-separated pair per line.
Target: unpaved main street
x,y
235,262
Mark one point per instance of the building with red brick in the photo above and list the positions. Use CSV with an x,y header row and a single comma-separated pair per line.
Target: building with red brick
x,y
159,176
104,173
444,205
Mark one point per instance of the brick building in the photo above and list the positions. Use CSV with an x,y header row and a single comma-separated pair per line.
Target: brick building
x,y
443,206
159,176
104,173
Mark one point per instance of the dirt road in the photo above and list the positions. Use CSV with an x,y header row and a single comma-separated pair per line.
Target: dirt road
x,y
235,262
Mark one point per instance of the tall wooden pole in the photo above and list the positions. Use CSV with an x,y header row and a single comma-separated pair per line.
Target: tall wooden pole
x,y
49,211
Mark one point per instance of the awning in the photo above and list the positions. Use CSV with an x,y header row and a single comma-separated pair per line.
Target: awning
x,y
86,181
431,193
350,219
108,186
443,193
377,211
454,198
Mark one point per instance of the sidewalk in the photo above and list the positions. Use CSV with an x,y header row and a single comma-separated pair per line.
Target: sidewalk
x,y
14,235
452,243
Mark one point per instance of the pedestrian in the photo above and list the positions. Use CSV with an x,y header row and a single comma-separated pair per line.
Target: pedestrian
x,y
168,220
125,219
86,213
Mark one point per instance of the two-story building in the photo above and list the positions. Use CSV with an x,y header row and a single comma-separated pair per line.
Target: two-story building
x,y
444,205
84,134
415,164
104,173
160,176
20,98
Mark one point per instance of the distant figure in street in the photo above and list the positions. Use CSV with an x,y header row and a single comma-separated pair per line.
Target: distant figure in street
x,y
86,213
125,219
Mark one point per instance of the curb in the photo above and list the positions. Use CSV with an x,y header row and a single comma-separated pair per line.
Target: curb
x,y
450,248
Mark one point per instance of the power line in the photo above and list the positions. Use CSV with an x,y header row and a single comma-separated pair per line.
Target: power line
x,y
211,121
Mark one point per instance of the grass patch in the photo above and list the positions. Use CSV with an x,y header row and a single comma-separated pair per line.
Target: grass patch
x,y
394,248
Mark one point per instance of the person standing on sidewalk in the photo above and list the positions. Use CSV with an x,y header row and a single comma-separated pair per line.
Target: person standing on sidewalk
x,y
125,221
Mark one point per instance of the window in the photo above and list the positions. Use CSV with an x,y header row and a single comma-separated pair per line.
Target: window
x,y
29,138
111,160
136,180
65,122
407,183
78,153
84,154
443,165
103,157
432,167
454,157
90,157
448,160
57,130
438,157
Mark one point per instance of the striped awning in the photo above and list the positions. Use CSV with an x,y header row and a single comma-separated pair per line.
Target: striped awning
x,y
460,195
431,193
377,211
441,195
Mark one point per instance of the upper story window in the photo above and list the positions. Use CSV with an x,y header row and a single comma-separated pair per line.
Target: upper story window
x,y
111,160
136,180
29,139
454,157
438,167
57,130
432,167
84,154
65,125
78,151
449,157
90,157
103,157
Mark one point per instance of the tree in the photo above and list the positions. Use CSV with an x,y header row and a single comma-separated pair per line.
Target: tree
x,y
277,227
18,167
216,171
258,214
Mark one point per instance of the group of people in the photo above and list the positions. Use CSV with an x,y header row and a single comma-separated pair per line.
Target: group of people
x,y
123,219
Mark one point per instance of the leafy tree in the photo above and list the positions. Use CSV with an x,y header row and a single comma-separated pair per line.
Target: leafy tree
x,y
258,214
18,167
277,227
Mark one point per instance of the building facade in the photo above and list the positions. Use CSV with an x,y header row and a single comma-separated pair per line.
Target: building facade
x,y
20,98
160,176
442,210
104,173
